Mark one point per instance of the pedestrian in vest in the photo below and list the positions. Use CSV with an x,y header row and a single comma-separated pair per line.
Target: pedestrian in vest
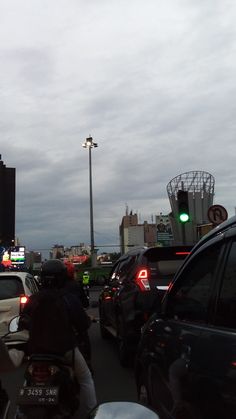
x,y
86,280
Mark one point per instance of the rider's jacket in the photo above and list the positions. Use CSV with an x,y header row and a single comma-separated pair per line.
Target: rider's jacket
x,y
86,279
54,318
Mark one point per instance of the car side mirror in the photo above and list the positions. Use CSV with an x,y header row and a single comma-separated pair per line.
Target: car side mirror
x,y
121,410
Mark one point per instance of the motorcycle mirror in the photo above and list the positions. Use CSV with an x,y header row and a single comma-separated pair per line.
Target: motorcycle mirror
x,y
122,410
13,325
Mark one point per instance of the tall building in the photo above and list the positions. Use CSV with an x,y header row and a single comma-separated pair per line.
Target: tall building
x,y
133,234
7,204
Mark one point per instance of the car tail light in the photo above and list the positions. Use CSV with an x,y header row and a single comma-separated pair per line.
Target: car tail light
x,y
142,279
23,300
107,297
41,372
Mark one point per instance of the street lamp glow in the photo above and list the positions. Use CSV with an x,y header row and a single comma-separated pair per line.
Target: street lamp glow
x,y
90,144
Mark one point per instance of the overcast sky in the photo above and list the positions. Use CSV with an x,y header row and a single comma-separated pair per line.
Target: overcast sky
x,y
152,81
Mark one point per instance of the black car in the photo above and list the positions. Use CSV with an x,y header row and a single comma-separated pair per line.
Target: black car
x,y
186,359
129,296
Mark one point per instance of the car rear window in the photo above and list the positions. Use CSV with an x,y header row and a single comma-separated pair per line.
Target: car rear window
x,y
163,271
10,287
167,267
164,263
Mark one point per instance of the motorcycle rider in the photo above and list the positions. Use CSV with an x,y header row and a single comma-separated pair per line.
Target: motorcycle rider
x,y
86,281
74,286
46,333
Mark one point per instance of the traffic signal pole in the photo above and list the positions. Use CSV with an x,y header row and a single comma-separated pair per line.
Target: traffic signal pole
x,y
183,211
183,234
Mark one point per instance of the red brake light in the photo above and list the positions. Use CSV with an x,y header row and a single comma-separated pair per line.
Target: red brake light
x,y
23,299
142,279
182,253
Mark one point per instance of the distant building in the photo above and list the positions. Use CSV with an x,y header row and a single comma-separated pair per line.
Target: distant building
x,y
59,251
7,204
33,260
133,234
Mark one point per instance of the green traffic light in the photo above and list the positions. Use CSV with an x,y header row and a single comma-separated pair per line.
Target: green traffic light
x,y
184,217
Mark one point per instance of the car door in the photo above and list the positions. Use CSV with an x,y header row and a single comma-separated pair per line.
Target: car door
x,y
174,340
219,341
11,288
126,295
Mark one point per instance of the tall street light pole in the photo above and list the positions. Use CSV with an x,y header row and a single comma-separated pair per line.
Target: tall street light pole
x,y
89,143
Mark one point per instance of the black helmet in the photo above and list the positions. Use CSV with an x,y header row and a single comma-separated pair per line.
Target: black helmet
x,y
53,274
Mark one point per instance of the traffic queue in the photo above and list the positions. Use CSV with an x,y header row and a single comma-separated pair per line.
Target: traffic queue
x,y
172,313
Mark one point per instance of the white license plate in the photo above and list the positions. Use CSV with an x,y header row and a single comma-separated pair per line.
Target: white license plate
x,y
38,395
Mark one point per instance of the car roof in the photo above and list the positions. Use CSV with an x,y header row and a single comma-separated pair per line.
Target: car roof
x,y
158,249
21,275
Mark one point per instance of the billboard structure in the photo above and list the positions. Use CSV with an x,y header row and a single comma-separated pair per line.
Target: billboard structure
x,y
199,186
17,255
164,231
13,256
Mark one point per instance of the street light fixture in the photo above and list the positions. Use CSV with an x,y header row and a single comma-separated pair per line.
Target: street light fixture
x,y
89,143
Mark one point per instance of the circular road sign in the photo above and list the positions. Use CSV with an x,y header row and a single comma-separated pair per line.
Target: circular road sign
x,y
217,214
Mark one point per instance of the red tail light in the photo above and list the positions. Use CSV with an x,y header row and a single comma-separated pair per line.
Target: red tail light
x,y
182,253
41,373
23,300
142,279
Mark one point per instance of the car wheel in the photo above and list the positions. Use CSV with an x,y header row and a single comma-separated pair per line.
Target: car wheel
x,y
103,331
124,353
123,347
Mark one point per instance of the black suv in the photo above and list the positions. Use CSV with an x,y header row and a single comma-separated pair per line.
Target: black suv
x,y
134,282
186,359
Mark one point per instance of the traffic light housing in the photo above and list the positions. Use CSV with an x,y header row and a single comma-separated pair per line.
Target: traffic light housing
x,y
183,209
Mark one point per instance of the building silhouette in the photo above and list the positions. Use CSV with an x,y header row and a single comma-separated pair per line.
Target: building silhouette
x,y
200,187
7,204
133,234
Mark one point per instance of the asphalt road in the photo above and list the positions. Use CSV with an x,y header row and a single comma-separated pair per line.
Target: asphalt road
x,y
112,381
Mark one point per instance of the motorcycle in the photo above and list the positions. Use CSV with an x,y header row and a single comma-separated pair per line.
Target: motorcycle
x,y
50,389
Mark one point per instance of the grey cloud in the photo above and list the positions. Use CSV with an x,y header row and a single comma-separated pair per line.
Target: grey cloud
x,y
156,92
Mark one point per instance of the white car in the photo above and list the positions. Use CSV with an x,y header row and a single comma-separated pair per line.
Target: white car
x,y
15,289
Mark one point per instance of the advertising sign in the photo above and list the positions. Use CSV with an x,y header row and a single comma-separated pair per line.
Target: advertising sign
x,y
164,231
17,255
